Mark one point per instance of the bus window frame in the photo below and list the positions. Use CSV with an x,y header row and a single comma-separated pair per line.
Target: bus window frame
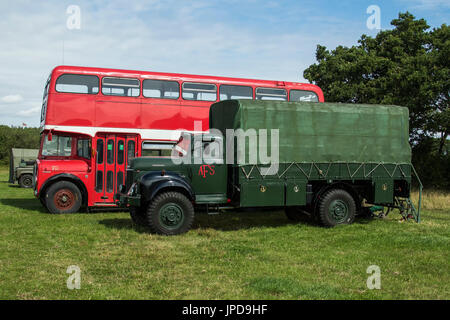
x,y
289,95
273,95
73,145
165,98
214,84
119,95
78,74
237,85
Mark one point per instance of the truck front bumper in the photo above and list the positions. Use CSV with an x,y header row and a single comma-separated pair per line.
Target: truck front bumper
x,y
124,200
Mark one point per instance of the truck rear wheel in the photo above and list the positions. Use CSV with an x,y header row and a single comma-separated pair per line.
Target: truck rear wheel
x,y
170,213
26,180
336,207
63,197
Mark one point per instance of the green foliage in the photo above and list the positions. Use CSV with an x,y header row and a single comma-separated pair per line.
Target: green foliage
x,y
434,166
17,137
407,66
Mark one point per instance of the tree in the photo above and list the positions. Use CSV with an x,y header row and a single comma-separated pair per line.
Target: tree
x,y
17,137
407,66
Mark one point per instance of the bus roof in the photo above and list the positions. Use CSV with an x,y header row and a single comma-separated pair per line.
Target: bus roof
x,y
180,77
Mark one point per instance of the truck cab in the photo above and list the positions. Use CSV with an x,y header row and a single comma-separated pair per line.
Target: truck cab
x,y
194,174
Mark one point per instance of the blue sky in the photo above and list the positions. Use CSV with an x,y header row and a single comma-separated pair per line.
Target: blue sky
x,y
241,38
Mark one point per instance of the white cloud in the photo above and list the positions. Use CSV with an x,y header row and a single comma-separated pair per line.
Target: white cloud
x,y
29,112
12,98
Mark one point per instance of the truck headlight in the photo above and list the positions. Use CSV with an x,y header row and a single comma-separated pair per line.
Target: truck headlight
x,y
133,189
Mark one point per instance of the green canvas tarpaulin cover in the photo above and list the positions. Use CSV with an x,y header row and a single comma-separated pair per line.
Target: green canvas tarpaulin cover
x,y
322,132
17,156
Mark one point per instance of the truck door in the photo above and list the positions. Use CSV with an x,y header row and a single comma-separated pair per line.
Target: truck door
x,y
210,177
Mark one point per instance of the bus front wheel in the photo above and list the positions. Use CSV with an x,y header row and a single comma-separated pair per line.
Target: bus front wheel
x,y
63,197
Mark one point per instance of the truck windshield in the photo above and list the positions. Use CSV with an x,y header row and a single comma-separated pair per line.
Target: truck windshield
x,y
182,147
59,146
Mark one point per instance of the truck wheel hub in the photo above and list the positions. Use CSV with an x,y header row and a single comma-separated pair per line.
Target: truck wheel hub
x,y
171,215
338,210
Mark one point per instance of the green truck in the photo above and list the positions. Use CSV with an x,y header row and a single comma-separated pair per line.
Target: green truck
x,y
330,160
21,164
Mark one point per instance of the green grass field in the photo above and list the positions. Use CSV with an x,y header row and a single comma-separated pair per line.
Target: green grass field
x,y
234,255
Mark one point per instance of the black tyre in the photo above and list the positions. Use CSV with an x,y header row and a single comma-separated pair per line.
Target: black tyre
x,y
170,213
336,206
63,197
26,180
138,216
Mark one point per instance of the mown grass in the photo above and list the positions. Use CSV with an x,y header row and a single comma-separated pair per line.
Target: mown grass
x,y
234,255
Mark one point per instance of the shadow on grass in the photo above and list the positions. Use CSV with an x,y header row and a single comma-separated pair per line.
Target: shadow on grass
x,y
24,204
227,221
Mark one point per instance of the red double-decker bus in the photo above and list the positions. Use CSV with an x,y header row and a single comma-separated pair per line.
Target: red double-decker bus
x,y
94,120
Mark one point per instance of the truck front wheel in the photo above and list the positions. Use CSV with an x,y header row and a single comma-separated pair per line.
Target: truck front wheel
x,y
170,213
26,180
63,197
336,207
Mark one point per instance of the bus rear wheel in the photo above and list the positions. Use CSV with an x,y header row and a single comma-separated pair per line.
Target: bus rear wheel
x,y
63,197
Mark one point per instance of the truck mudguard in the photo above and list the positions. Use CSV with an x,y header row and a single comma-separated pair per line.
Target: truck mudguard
x,y
153,182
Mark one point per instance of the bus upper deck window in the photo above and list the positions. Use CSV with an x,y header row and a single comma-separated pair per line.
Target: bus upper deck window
x,y
228,92
77,83
126,87
271,94
199,91
161,89
303,95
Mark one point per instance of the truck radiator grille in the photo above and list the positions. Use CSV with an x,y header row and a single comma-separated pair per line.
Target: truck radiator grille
x,y
129,179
